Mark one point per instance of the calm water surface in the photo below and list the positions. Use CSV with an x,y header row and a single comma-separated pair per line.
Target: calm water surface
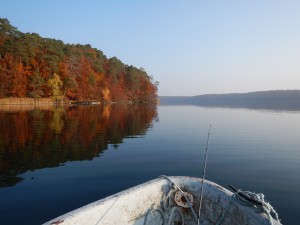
x,y
54,160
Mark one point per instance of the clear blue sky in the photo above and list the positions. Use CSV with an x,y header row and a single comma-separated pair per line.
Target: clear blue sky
x,y
190,47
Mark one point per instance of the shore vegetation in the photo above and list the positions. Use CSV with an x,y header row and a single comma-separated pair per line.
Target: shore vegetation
x,y
35,67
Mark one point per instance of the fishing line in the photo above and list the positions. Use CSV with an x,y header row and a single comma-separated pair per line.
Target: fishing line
x,y
204,172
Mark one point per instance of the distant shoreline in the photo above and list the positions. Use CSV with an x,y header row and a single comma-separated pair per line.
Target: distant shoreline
x,y
274,99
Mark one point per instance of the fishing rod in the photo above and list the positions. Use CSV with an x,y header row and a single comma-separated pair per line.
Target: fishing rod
x,y
204,172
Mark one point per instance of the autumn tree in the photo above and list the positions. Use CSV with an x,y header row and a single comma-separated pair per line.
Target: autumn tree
x,y
6,64
19,81
7,31
28,62
36,84
55,85
106,94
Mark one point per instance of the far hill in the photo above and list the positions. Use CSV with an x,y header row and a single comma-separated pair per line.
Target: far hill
x,y
277,99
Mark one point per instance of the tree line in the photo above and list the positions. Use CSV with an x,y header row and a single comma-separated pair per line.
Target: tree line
x,y
36,67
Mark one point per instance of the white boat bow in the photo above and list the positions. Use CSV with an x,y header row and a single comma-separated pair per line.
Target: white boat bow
x,y
160,201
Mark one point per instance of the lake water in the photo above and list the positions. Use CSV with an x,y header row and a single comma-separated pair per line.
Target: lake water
x,y
53,160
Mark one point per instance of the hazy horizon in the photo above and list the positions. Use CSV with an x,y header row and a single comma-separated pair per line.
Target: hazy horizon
x,y
228,93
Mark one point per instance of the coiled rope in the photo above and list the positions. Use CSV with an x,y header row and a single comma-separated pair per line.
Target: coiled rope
x,y
251,199
166,205
183,194
264,207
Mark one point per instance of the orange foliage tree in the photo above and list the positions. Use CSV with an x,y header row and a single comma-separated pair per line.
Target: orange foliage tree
x,y
29,61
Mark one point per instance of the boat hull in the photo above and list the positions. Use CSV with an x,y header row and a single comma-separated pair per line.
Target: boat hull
x,y
154,203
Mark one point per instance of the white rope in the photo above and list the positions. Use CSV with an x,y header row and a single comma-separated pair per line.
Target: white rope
x,y
264,207
163,217
228,207
98,222
183,194
172,213
158,210
166,204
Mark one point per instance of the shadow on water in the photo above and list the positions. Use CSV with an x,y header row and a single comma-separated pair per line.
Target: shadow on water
x,y
36,138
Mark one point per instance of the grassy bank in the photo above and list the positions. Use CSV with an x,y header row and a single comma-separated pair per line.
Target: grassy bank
x,y
25,108
49,101
25,101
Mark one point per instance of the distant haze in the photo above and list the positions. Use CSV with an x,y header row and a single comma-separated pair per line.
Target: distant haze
x,y
278,99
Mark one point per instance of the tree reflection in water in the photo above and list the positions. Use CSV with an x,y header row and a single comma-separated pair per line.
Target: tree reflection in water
x,y
35,138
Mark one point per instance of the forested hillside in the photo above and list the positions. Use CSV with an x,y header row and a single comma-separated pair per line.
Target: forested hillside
x,y
33,66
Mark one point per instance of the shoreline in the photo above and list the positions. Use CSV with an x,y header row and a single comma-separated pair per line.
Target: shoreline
x,y
49,101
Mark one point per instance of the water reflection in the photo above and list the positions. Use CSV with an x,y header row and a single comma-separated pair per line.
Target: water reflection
x,y
35,138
